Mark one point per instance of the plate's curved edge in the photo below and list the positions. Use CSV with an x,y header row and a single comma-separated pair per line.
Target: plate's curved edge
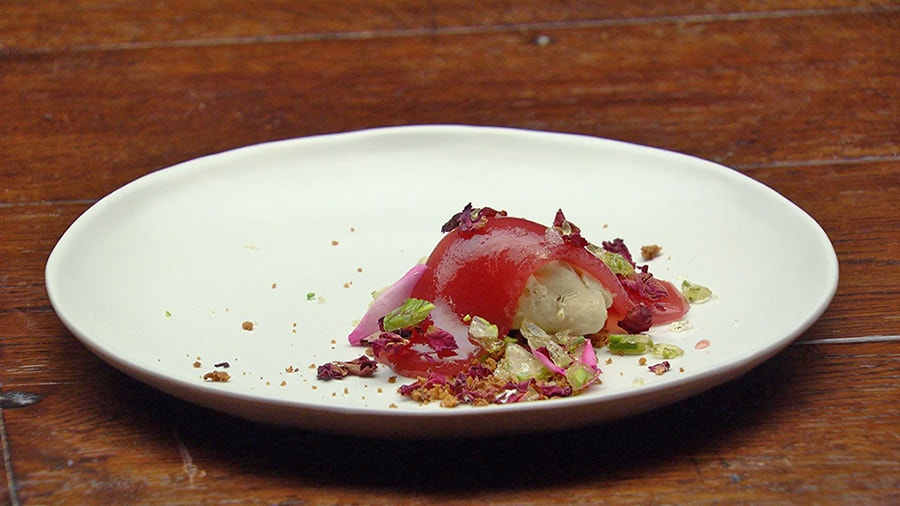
x,y
462,421
283,412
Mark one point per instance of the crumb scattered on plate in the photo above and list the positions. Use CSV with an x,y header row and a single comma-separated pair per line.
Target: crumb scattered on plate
x,y
217,376
651,251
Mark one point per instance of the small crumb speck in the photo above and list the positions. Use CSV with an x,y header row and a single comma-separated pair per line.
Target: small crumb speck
x,y
334,243
247,325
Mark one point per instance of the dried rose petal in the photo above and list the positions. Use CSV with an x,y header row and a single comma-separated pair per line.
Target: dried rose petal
x,y
568,230
381,340
433,379
553,390
618,246
470,218
659,368
440,339
331,370
638,319
362,366
645,285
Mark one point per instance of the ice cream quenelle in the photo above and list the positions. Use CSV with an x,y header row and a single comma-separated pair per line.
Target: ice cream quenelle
x,y
558,297
504,310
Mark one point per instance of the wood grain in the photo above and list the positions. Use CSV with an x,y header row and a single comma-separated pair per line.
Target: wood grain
x,y
88,24
726,91
799,95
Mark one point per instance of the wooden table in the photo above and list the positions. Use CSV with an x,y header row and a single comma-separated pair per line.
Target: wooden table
x,y
801,96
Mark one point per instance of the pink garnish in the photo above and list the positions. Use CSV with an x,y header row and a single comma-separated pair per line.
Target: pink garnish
x,y
589,357
568,230
618,246
660,368
470,218
362,366
544,356
393,297
440,339
645,285
703,343
638,319
379,341
423,383
551,390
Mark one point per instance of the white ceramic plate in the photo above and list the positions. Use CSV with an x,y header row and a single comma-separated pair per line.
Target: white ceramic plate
x,y
163,272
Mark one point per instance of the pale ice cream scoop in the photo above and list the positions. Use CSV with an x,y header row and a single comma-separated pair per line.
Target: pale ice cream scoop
x,y
559,297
